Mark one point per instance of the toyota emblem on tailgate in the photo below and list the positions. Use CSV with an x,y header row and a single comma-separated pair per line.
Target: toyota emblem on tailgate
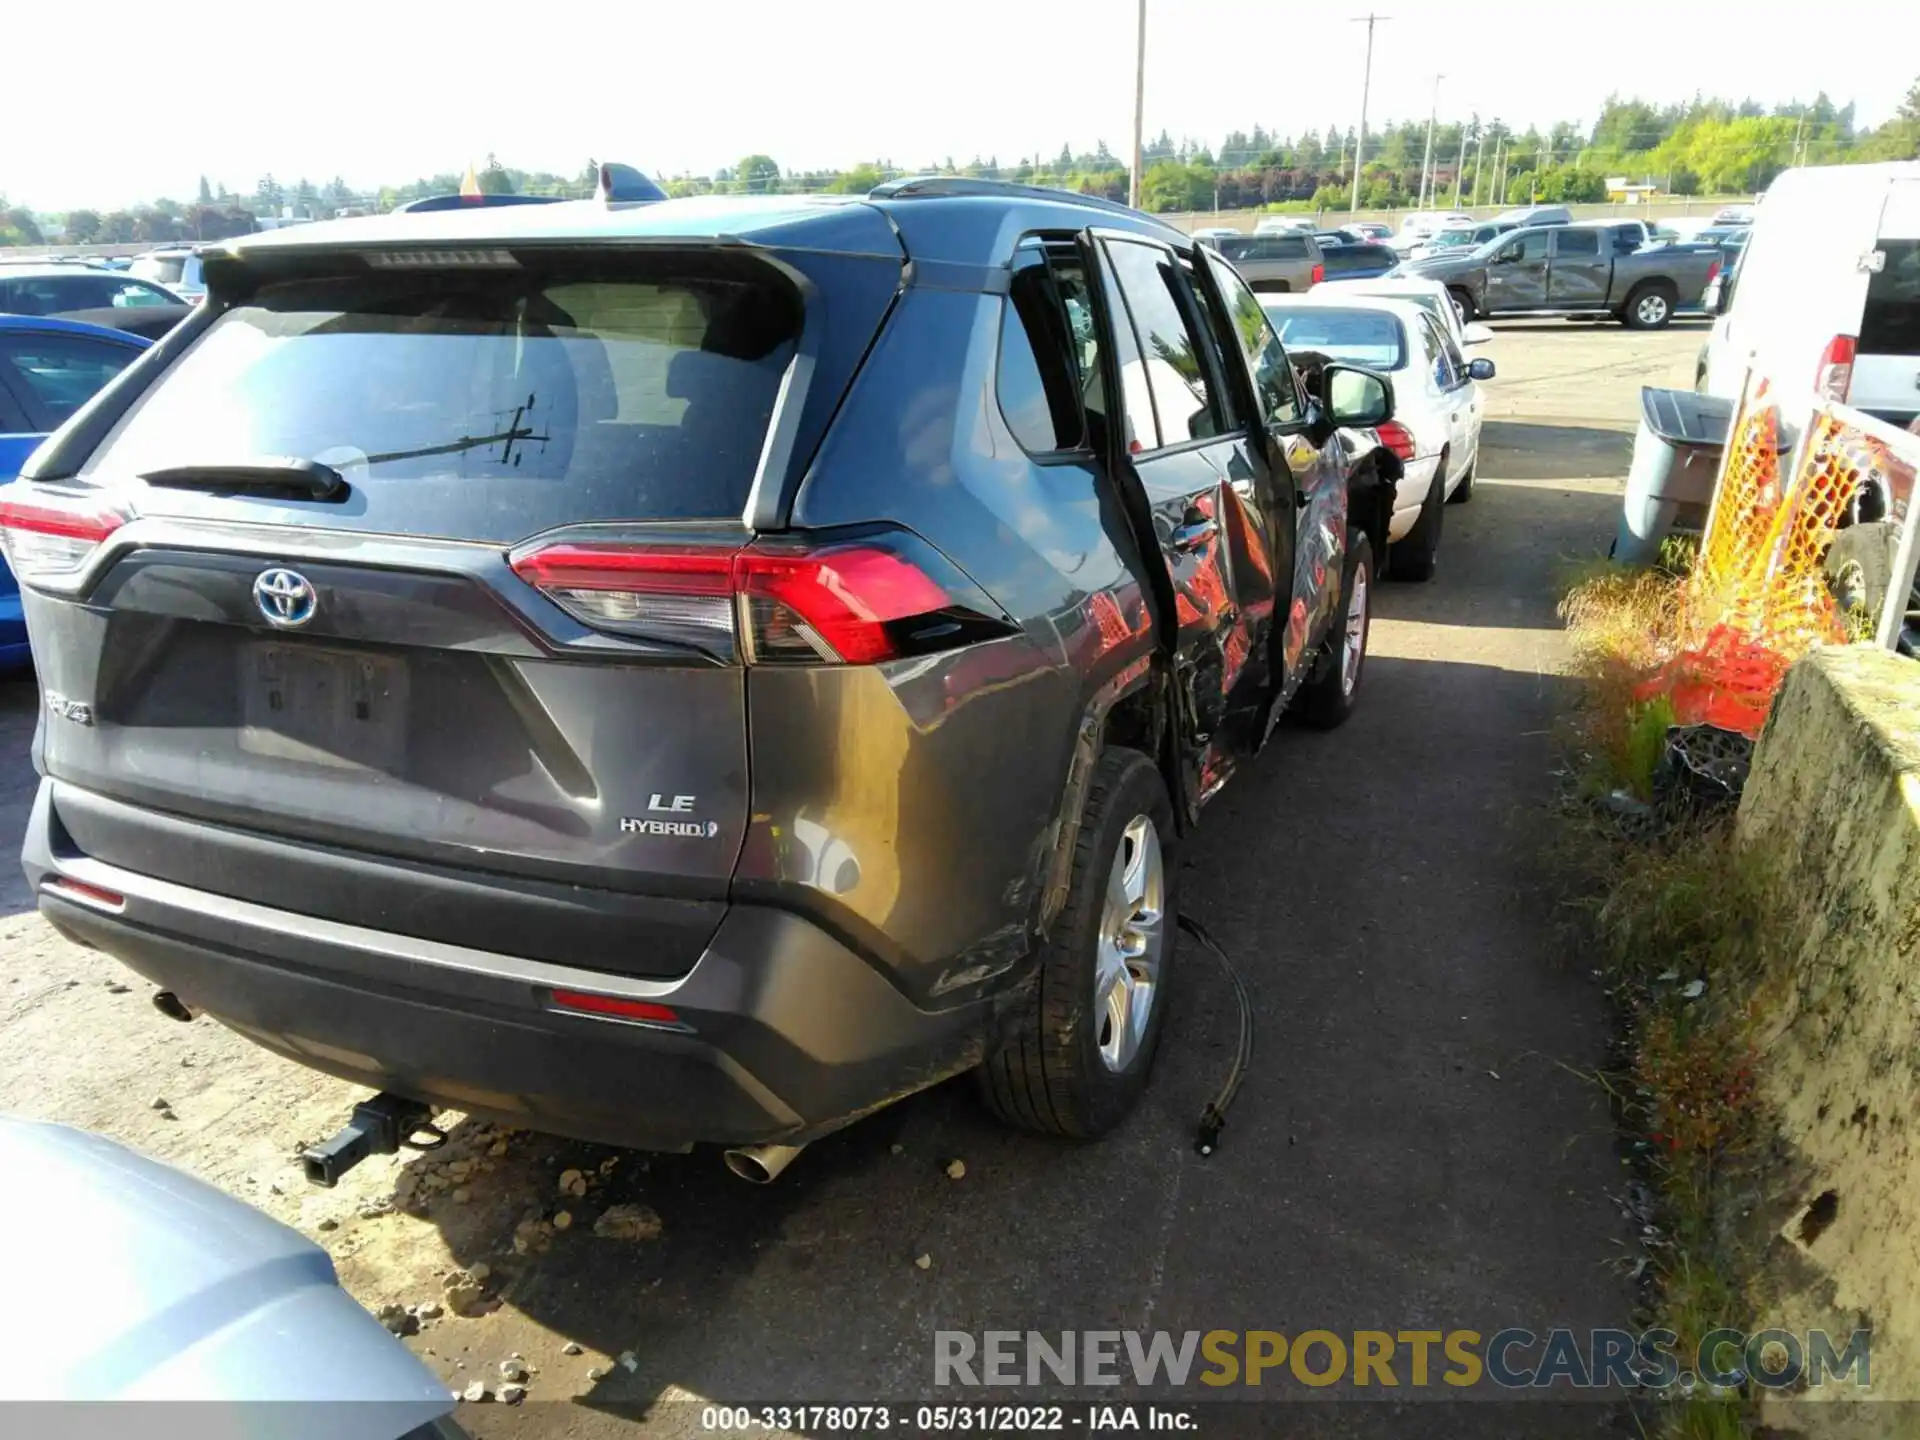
x,y
285,597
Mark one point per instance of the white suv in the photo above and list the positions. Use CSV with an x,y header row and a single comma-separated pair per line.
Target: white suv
x,y
177,269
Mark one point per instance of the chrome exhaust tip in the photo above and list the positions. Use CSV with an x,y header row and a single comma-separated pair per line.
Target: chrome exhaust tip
x,y
761,1164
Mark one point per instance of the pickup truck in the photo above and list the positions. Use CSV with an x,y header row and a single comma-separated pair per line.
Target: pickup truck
x,y
1572,270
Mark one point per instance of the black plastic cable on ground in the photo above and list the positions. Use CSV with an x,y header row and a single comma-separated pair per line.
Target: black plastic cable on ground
x,y
1213,1119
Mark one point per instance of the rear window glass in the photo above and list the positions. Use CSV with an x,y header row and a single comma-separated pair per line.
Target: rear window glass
x,y
1344,258
1361,337
489,403
1891,323
1265,247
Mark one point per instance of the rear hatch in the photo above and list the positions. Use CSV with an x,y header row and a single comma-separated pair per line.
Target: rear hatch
x,y
333,651
1886,371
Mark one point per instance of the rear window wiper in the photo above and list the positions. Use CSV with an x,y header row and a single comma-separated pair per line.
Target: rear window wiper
x,y
308,477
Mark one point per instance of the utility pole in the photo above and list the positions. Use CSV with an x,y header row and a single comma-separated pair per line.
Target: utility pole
x,y
1139,99
1499,195
1479,157
1460,168
1426,162
1366,86
1798,124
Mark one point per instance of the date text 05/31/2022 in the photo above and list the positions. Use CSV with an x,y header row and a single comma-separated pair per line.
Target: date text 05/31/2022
x,y
937,1419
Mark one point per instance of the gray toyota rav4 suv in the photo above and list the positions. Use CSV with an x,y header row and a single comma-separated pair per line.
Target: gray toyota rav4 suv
x,y
687,672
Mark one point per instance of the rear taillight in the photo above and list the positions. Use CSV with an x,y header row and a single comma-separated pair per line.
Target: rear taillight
x,y
1319,274
1396,437
853,603
1833,377
49,537
1713,270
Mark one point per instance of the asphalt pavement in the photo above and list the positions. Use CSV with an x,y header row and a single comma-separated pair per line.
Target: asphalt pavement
x,y
1415,1148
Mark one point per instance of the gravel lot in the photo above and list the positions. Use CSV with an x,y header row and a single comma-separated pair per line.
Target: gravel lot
x,y
1410,1148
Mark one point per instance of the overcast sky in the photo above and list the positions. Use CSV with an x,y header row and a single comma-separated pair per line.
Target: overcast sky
x,y
389,90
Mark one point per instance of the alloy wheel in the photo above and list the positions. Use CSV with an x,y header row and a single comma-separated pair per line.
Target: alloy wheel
x,y
1132,941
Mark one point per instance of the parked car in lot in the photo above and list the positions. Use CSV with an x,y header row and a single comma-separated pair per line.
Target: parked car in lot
x,y
176,267
1436,426
149,1285
693,672
149,322
1356,261
1419,226
61,289
1571,270
1734,215
1369,230
1827,293
48,369
1457,237
1277,262
1826,296
1430,295
1528,216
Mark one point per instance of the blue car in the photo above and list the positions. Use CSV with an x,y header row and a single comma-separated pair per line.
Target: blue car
x,y
48,369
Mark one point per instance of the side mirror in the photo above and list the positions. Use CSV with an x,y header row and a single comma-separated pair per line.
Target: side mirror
x,y
1357,398
1480,370
1476,334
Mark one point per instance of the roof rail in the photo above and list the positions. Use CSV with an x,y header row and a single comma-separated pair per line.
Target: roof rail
x,y
916,187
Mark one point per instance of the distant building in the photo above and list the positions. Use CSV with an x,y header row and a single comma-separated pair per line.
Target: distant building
x,y
1628,192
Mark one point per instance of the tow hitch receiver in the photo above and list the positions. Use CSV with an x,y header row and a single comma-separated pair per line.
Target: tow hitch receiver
x,y
379,1126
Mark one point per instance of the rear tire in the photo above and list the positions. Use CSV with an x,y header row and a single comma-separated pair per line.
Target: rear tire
x,y
1416,555
1328,697
1648,307
1065,1063
1463,492
1462,304
1859,568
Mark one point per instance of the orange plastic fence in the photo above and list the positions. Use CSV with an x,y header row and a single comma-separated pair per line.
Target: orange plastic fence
x,y
1757,599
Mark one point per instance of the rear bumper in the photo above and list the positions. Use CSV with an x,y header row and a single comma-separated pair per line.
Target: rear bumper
x,y
788,1033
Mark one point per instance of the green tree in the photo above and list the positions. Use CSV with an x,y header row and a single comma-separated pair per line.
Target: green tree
x,y
494,179
758,175
17,222
1170,185
268,197
82,226
204,196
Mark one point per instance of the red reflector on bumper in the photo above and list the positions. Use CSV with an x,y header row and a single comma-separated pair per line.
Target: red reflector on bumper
x,y
616,1008
94,895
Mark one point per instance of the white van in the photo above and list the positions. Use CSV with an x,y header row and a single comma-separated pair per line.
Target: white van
x,y
1827,293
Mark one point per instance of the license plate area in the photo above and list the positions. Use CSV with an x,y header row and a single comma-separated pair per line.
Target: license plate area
x,y
343,708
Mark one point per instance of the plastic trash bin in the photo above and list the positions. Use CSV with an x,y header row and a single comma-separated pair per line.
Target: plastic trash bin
x,y
1676,457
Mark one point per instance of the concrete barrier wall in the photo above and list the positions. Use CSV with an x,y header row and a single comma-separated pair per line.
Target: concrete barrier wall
x,y
1835,797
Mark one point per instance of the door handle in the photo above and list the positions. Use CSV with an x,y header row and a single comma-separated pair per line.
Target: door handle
x,y
1194,534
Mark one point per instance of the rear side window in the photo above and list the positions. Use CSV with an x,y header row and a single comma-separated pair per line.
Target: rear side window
x,y
57,374
1171,354
1571,243
1890,325
1038,380
490,403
